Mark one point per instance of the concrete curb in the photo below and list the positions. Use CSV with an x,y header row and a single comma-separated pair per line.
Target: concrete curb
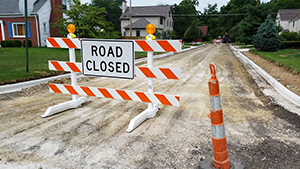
x,y
282,90
19,86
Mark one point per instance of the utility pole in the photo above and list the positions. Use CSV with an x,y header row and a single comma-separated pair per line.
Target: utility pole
x,y
130,20
26,34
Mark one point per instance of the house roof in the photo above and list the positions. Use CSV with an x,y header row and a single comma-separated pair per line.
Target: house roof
x,y
142,11
11,7
204,30
38,5
139,24
289,14
8,7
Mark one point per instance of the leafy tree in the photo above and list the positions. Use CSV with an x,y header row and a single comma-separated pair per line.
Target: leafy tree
x,y
214,28
193,32
88,21
211,21
253,19
113,8
184,14
288,4
236,9
267,38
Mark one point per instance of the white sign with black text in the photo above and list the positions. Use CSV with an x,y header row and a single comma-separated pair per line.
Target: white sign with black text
x,y
108,58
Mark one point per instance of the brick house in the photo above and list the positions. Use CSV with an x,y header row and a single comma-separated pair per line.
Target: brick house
x,y
41,16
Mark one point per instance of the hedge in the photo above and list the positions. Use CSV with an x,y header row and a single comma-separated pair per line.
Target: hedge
x,y
290,44
17,43
29,43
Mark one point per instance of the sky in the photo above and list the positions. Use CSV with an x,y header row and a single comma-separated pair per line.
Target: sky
x,y
202,5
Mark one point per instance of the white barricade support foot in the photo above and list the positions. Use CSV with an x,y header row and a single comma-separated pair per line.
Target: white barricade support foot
x,y
65,106
139,119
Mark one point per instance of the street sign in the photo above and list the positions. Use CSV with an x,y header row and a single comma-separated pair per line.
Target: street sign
x,y
108,58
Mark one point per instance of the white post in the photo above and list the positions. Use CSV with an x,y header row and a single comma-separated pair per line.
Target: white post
x,y
150,112
73,74
75,102
150,80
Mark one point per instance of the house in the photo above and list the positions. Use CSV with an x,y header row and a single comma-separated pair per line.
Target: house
x,y
41,14
289,19
160,16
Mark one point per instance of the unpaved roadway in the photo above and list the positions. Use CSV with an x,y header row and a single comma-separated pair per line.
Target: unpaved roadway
x,y
260,134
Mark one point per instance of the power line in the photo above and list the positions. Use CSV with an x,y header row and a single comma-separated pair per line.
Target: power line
x,y
208,15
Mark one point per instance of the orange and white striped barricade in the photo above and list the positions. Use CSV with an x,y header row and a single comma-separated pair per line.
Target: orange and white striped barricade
x,y
220,159
148,72
75,102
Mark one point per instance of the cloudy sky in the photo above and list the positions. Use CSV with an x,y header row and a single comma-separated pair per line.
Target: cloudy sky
x,y
202,5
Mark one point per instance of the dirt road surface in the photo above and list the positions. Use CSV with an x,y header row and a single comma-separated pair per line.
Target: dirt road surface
x,y
260,134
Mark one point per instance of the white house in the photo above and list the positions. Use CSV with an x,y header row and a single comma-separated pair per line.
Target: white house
x,y
160,16
289,19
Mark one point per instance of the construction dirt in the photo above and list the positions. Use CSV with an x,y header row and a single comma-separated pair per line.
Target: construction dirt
x,y
260,133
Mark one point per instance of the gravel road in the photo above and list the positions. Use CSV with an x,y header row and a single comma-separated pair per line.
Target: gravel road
x,y
260,133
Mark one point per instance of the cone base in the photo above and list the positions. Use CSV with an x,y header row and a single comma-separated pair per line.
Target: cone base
x,y
207,163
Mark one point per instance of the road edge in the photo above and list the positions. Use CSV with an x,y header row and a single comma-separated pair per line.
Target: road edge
x,y
282,90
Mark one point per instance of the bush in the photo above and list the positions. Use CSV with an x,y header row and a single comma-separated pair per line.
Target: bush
x,y
290,36
29,43
290,45
7,43
17,43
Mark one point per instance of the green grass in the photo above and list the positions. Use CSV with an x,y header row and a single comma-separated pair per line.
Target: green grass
x,y
13,62
289,58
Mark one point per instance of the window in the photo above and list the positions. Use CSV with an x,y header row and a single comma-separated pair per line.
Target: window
x,y
45,28
169,13
161,20
138,33
18,29
167,23
64,4
293,23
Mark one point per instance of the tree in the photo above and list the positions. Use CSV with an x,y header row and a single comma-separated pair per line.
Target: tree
x,y
88,21
288,4
267,38
253,19
113,8
184,14
237,9
193,32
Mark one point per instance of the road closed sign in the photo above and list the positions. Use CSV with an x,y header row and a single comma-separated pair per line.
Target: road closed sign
x,y
108,58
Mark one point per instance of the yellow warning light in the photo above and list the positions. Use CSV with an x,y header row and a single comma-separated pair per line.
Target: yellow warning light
x,y
150,29
71,28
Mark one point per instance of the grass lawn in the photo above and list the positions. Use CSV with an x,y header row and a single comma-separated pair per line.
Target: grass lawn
x,y
289,58
13,62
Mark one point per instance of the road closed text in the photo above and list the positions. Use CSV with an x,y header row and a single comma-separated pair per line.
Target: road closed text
x,y
108,59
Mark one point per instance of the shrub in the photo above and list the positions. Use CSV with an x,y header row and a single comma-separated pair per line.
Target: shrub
x,y
3,43
266,38
290,45
29,43
290,36
7,43
17,43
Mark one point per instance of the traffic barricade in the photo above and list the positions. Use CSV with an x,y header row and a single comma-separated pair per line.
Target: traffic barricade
x,y
150,97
